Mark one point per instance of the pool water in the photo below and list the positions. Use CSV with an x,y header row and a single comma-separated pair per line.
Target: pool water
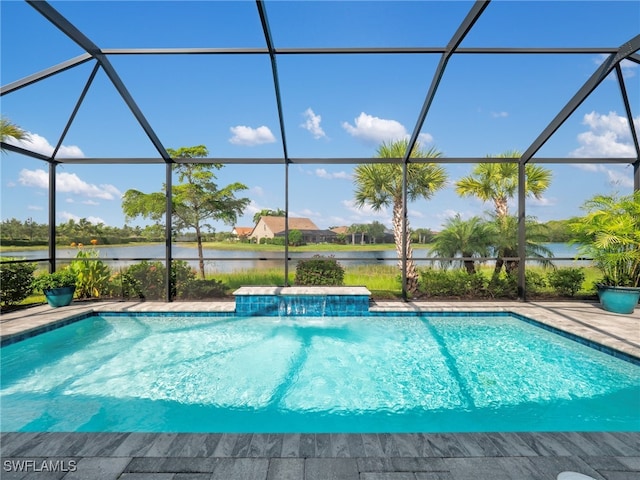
x,y
312,374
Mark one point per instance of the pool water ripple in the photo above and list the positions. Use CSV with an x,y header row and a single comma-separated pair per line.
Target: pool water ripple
x,y
312,374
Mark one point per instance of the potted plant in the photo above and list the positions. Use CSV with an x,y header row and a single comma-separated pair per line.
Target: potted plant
x,y
58,287
610,234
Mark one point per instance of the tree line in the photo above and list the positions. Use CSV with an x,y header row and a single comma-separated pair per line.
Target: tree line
x,y
15,232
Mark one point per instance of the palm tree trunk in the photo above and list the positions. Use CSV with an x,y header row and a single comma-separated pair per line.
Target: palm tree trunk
x,y
469,264
412,273
200,254
502,207
496,270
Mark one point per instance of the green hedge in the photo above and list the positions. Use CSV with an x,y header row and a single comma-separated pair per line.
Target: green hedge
x,y
15,282
319,270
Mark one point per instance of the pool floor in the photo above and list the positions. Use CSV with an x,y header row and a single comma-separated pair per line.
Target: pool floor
x,y
210,376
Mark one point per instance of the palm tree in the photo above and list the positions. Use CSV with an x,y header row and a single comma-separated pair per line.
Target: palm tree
x,y
498,182
505,243
470,238
356,228
380,185
11,130
267,212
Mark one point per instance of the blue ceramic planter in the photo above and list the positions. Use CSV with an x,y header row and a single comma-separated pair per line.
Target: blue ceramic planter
x,y
59,297
618,299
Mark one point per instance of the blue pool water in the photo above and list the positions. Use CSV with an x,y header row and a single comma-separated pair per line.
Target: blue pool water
x,y
310,374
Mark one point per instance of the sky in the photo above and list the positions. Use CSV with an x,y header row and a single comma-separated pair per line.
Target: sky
x,y
333,106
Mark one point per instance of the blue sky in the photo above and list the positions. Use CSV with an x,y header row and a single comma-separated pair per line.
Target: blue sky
x,y
334,106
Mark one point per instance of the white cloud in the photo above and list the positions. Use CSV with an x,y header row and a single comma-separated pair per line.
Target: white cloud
x,y
447,213
257,191
312,124
39,144
322,173
366,211
306,213
248,136
499,114
66,216
608,136
252,208
11,184
68,183
90,202
34,207
589,167
541,202
375,130
425,138
614,173
69,200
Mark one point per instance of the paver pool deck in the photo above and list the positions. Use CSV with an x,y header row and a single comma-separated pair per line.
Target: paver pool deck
x,y
415,456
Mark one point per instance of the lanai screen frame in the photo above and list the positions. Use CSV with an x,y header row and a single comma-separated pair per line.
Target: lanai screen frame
x,y
615,55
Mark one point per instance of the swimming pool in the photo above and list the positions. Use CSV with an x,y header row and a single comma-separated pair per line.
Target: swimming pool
x,y
381,373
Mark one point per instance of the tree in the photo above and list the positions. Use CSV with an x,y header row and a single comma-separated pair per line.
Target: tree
x,y
470,238
422,235
380,185
195,199
498,182
267,212
505,243
356,228
295,237
11,130
376,231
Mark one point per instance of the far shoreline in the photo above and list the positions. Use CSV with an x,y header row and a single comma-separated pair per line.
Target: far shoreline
x,y
238,246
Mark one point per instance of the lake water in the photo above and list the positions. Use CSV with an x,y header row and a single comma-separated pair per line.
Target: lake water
x,y
225,261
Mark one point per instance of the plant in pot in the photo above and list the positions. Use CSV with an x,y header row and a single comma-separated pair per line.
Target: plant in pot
x,y
610,234
58,287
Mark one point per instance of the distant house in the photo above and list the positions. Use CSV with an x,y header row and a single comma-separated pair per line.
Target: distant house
x,y
363,237
340,230
270,227
242,232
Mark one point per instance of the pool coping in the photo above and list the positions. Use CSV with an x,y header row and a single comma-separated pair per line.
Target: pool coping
x,y
463,456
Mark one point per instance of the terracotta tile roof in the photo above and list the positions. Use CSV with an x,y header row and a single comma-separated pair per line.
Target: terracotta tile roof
x,y
243,231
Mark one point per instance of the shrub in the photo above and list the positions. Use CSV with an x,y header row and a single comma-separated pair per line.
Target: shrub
x,y
566,281
295,237
92,274
198,289
272,241
535,282
319,270
503,286
60,278
15,282
146,280
452,283
123,285
181,276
